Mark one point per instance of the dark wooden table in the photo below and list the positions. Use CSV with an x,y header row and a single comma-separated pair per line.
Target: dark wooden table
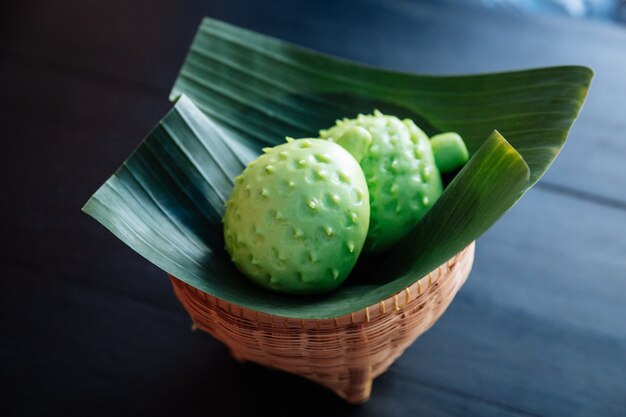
x,y
88,327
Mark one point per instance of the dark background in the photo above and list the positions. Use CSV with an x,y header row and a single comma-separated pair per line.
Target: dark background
x,y
88,327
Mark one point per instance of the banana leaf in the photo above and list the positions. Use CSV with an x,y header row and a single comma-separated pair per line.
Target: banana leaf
x,y
239,91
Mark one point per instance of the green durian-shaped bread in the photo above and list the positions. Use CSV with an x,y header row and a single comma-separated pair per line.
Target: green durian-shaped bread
x,y
401,175
298,216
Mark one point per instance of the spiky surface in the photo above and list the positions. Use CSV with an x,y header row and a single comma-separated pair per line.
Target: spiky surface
x,y
298,217
401,174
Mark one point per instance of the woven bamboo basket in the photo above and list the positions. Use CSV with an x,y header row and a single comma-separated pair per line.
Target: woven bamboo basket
x,y
343,353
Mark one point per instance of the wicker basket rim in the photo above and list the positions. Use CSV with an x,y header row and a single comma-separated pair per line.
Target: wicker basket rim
x,y
394,303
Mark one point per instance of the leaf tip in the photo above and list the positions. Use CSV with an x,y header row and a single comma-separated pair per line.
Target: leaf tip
x,y
496,136
175,97
87,207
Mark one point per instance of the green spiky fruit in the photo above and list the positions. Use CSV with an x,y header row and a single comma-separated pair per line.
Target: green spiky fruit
x,y
401,174
298,216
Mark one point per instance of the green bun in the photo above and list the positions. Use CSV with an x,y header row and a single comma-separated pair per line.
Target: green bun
x,y
298,216
450,151
401,175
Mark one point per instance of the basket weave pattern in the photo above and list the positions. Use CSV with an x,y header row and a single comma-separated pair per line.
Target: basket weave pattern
x,y
343,353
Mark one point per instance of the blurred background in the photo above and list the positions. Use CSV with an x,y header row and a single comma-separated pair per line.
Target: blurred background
x,y
88,327
609,10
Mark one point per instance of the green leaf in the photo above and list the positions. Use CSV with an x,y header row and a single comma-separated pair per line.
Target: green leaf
x,y
240,91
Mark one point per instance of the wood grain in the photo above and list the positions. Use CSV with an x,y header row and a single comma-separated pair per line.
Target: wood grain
x,y
90,328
